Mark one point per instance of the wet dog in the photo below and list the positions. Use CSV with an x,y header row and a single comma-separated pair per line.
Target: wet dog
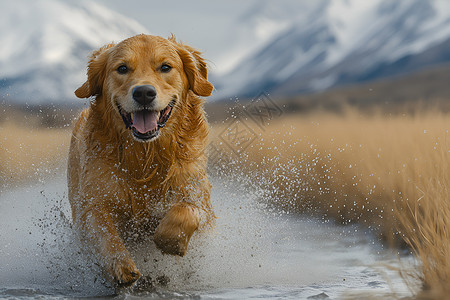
x,y
137,161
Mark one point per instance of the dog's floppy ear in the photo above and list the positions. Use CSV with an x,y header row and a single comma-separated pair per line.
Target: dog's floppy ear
x,y
195,69
96,73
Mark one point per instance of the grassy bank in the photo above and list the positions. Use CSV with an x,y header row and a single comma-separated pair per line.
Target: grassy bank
x,y
31,153
390,174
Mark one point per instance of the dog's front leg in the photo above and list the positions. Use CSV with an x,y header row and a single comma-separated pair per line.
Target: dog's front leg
x,y
176,228
99,229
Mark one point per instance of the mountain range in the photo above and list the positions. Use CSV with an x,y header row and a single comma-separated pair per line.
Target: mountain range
x,y
284,48
332,43
46,43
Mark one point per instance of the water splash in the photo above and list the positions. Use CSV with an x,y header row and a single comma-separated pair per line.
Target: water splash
x,y
253,251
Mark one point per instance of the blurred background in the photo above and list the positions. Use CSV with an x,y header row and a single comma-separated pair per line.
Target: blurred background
x,y
377,52
290,58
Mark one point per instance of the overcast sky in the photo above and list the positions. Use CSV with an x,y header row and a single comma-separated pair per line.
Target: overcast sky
x,y
201,23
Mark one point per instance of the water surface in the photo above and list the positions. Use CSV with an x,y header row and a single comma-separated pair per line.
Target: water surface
x,y
254,252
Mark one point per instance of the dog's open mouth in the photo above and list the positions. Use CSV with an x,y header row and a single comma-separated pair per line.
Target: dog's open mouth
x,y
145,124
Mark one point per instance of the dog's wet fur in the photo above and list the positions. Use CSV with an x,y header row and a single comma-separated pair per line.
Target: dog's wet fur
x,y
137,162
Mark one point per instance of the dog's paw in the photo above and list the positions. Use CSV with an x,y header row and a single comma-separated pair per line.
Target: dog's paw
x,y
175,230
173,241
124,271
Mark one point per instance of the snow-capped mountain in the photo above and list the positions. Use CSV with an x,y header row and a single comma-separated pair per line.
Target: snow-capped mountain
x,y
283,47
45,45
258,24
334,42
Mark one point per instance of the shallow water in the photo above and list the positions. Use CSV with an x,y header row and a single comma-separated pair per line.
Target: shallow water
x,y
254,252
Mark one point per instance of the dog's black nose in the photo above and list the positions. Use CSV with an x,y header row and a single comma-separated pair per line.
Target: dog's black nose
x,y
144,94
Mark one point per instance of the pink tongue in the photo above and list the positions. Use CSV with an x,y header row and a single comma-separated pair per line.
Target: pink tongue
x,y
145,121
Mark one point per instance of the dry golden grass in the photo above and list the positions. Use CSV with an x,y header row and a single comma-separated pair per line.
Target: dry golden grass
x,y
31,154
390,174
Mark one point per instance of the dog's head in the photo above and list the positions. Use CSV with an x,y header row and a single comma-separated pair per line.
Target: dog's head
x,y
143,79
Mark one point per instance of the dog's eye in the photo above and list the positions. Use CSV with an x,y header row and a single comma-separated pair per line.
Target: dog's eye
x,y
122,69
165,68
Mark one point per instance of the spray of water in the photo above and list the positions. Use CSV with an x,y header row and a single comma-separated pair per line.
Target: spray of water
x,y
251,246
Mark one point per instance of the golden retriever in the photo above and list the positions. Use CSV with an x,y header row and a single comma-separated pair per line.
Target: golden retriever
x,y
137,162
